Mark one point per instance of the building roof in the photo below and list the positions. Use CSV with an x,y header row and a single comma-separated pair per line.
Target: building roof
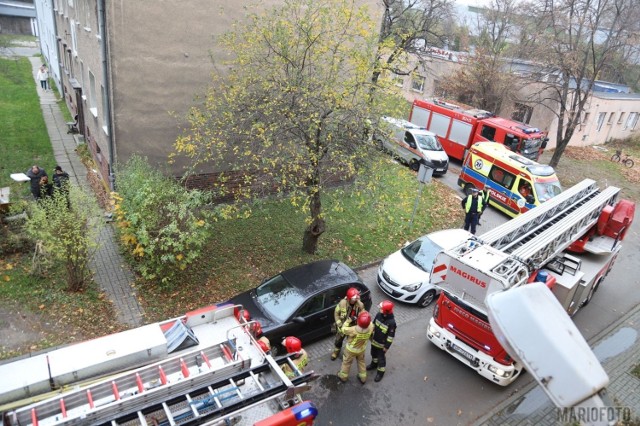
x,y
610,95
18,9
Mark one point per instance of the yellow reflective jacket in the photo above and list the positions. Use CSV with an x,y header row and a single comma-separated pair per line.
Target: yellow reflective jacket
x,y
341,313
357,337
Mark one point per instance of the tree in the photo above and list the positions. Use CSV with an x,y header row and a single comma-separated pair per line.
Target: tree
x,y
408,28
484,81
289,116
66,227
575,42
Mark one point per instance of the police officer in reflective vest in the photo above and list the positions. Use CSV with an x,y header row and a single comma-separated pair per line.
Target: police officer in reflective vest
x,y
384,330
349,307
472,206
357,337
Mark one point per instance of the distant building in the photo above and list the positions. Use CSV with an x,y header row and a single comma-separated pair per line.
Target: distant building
x,y
17,17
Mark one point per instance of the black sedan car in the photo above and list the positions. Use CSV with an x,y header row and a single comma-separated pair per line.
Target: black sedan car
x,y
300,301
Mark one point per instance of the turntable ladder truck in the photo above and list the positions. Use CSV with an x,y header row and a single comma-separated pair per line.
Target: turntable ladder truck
x,y
569,243
230,382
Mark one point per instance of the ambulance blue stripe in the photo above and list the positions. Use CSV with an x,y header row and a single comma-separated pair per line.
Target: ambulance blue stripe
x,y
481,178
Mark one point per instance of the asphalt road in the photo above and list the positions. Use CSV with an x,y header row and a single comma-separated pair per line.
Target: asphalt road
x,y
425,386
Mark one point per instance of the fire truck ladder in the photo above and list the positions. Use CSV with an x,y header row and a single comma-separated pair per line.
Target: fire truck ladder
x,y
544,242
524,227
184,390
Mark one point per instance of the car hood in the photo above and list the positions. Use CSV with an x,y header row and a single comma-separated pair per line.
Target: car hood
x,y
403,272
435,155
247,300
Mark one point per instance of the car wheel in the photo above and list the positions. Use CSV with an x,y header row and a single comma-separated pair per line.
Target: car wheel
x,y
427,298
415,165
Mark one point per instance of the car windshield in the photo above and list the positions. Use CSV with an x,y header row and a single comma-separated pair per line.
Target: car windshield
x,y
429,142
547,190
278,298
421,253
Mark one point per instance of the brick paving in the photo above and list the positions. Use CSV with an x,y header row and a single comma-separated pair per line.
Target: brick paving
x,y
110,270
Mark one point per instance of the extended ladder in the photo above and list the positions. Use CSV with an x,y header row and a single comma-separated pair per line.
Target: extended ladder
x,y
574,216
205,383
527,225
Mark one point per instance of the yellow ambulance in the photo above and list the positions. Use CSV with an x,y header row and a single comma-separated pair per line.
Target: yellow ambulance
x,y
515,183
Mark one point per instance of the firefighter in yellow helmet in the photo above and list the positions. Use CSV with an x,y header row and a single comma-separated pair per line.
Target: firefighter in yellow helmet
x,y
384,330
357,337
298,356
349,307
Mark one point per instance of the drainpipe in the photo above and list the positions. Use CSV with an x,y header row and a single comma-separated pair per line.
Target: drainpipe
x,y
106,78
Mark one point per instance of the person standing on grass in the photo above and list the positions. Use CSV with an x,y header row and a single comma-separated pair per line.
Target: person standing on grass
x,y
43,77
35,174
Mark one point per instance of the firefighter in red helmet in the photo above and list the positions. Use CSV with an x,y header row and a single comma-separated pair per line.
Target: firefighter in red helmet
x,y
349,307
357,337
297,354
384,330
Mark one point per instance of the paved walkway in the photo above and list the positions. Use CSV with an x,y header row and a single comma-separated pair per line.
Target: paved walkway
x,y
110,270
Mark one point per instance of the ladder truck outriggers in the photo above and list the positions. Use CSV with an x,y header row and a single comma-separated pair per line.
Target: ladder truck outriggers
x,y
569,243
203,368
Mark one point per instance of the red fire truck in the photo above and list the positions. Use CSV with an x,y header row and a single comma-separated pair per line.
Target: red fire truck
x,y
568,243
459,128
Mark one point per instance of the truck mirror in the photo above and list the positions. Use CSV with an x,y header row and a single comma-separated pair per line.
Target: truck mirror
x,y
544,143
535,330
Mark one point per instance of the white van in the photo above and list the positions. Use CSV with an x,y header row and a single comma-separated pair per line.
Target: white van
x,y
412,144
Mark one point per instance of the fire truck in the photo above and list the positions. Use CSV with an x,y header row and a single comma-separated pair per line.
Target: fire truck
x,y
458,128
203,368
569,243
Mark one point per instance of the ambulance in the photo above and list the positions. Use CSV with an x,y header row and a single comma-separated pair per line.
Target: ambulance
x,y
516,184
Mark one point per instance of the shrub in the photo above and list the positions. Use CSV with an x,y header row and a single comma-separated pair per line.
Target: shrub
x,y
163,226
66,226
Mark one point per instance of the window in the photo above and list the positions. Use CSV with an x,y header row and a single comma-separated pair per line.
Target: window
x,y
488,132
74,39
397,80
610,120
601,116
408,138
312,306
105,119
87,15
417,83
92,95
586,117
501,177
522,113
621,118
632,120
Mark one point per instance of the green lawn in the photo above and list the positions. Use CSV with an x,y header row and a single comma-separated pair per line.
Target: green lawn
x,y
24,140
363,226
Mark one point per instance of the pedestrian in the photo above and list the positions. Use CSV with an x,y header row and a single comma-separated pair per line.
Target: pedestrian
x,y
43,77
384,330
484,195
297,354
349,307
35,174
60,178
46,188
357,337
472,206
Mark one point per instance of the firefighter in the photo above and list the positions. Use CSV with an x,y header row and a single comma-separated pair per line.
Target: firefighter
x,y
384,330
357,337
349,307
298,356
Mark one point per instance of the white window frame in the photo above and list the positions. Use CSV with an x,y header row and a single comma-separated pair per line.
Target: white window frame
x,y
600,121
92,95
632,120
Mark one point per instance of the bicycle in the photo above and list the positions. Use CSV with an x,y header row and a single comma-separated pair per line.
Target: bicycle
x,y
617,158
